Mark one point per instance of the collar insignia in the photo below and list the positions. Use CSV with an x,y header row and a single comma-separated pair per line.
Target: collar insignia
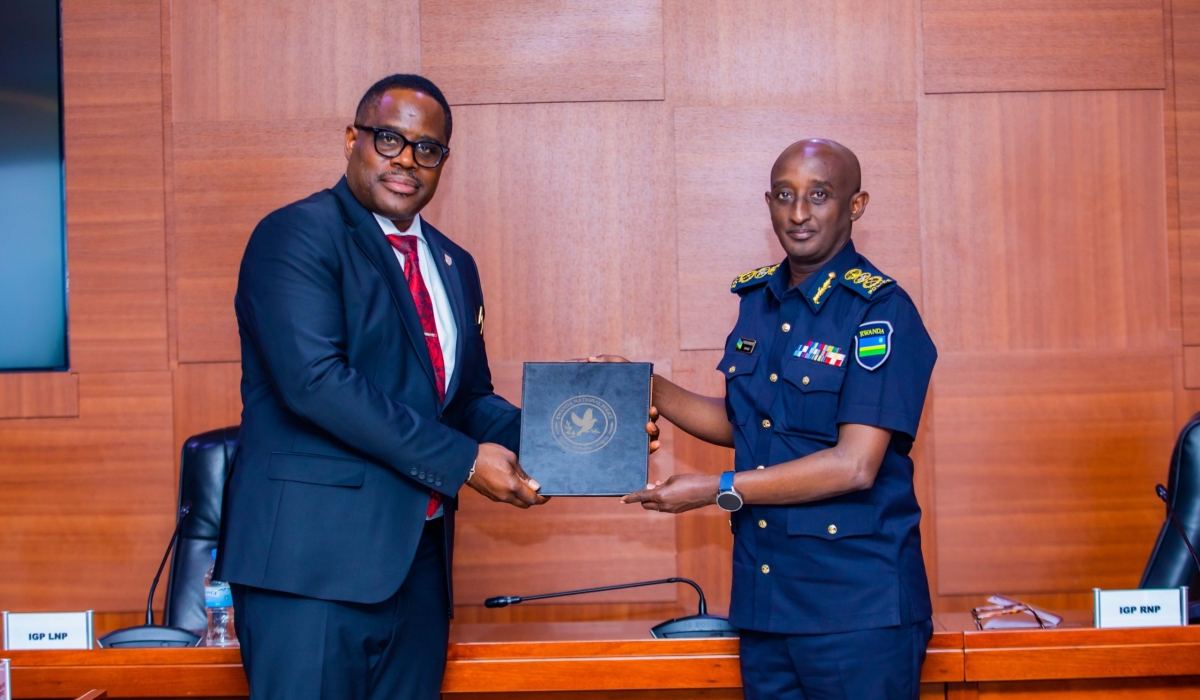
x,y
753,278
816,298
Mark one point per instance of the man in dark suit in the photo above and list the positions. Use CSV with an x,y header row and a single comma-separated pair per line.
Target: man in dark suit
x,y
368,403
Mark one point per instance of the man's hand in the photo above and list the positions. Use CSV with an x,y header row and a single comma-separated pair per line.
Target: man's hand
x,y
680,493
651,427
499,476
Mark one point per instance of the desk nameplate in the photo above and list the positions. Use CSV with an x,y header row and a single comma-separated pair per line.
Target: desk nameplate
x,y
1145,607
38,631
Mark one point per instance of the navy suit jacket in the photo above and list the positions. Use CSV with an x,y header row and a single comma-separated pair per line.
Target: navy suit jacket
x,y
343,435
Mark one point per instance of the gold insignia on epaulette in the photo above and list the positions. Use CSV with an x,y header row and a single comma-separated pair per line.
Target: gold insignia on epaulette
x,y
866,280
824,288
754,275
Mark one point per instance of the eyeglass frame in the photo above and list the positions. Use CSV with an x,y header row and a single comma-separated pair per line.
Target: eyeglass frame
x,y
404,143
985,612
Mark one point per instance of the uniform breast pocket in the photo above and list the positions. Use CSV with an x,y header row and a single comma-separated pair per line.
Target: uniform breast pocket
x,y
738,369
832,522
808,398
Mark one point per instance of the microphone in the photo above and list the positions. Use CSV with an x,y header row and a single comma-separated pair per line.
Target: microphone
x,y
1193,608
150,634
692,626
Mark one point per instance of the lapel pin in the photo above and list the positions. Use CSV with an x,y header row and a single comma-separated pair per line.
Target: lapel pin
x,y
448,260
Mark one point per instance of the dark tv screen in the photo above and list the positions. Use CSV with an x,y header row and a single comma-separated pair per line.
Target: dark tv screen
x,y
33,271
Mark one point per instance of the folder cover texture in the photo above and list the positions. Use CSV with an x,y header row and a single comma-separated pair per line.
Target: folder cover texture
x,y
583,427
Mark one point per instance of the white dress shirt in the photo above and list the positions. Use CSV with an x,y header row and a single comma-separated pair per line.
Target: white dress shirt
x,y
443,316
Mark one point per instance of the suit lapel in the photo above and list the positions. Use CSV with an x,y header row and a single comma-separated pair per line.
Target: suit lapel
x,y
452,281
369,237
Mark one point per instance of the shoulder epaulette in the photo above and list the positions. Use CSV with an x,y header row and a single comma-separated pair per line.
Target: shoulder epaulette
x,y
865,281
753,278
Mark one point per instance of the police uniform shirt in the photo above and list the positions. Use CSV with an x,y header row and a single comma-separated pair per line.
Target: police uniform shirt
x,y
845,346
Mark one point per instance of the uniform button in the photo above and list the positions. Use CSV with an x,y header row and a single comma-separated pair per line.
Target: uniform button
x,y
766,423
762,523
413,472
439,482
774,377
787,327
804,381
766,569
732,369
832,529
759,467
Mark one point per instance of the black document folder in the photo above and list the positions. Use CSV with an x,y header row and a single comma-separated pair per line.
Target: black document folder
x,y
583,427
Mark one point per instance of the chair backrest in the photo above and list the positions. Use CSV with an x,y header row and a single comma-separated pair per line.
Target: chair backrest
x,y
1170,564
203,468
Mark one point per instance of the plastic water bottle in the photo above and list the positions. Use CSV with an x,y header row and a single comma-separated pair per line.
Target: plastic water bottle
x,y
218,603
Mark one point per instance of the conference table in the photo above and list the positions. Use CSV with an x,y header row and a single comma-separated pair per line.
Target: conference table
x,y
594,660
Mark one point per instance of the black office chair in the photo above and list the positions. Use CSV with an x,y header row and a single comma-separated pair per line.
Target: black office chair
x,y
203,468
1171,564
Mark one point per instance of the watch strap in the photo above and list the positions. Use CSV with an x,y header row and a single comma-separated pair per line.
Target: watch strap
x,y
726,483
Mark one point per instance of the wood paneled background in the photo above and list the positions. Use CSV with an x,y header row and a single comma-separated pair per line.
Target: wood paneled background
x,y
1034,168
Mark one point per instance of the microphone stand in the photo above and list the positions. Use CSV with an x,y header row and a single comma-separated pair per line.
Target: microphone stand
x,y
150,634
692,626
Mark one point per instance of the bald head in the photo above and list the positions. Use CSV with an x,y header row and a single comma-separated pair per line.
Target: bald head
x,y
840,160
815,199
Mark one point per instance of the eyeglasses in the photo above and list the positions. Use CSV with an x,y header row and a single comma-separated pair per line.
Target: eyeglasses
x,y
990,616
389,144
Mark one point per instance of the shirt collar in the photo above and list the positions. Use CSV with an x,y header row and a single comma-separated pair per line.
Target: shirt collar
x,y
389,228
817,289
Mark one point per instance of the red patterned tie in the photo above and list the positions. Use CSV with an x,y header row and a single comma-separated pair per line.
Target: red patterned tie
x,y
407,245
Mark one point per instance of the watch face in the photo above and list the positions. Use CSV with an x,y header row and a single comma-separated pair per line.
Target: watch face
x,y
729,500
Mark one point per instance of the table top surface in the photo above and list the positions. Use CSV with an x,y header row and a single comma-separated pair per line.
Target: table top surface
x,y
615,655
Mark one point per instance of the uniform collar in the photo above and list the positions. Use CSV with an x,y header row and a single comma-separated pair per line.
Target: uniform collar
x,y
820,285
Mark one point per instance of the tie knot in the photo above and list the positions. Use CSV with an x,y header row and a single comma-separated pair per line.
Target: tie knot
x,y
407,245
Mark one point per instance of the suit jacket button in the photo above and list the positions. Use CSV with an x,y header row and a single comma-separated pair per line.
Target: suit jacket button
x,y
439,482
413,472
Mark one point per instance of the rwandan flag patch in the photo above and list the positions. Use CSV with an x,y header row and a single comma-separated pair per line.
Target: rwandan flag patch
x,y
873,344
819,352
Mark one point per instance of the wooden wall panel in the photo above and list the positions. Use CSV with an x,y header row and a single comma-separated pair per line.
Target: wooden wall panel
x,y
224,184
574,239
802,52
1046,465
42,395
206,396
1045,257
722,221
488,51
87,503
1186,29
275,60
1004,45
112,116
1044,221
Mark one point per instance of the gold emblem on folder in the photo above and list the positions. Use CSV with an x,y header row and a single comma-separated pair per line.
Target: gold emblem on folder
x,y
583,424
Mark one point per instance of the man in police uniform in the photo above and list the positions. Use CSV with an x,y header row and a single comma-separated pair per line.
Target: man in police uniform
x,y
826,371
